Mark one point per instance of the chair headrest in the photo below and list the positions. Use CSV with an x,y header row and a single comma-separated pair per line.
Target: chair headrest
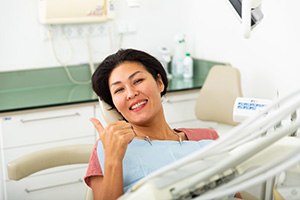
x,y
109,114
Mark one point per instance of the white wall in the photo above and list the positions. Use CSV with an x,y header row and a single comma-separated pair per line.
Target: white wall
x,y
268,61
24,43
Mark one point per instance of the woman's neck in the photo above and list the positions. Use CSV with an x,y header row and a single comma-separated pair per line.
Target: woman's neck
x,y
157,128
157,132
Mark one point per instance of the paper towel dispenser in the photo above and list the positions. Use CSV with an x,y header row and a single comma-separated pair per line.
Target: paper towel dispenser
x,y
74,11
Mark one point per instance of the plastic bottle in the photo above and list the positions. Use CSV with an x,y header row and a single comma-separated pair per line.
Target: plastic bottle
x,y
178,56
188,70
165,59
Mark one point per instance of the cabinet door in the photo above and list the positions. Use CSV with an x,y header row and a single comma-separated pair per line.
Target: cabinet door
x,y
47,126
62,185
2,169
179,107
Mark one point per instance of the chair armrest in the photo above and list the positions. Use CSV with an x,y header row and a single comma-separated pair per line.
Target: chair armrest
x,y
48,158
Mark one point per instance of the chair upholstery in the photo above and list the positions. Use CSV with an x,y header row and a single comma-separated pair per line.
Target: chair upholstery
x,y
217,96
109,115
48,158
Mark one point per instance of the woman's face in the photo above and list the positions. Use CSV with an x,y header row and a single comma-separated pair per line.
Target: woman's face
x,y
135,93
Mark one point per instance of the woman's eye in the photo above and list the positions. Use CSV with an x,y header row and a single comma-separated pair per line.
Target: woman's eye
x,y
138,81
118,90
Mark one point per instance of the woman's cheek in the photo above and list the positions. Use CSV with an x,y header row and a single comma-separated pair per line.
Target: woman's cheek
x,y
119,103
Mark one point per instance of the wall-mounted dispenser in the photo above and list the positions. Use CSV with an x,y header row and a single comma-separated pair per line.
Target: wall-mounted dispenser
x,y
74,11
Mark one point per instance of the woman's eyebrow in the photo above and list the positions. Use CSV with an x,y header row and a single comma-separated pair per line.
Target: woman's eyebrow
x,y
129,77
132,75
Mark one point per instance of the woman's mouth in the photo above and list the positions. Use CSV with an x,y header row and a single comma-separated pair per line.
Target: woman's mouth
x,y
138,105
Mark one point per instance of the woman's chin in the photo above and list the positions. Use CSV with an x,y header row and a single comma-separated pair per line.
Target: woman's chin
x,y
139,121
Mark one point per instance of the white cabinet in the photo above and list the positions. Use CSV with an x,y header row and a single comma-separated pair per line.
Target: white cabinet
x,y
59,185
179,108
25,132
1,170
46,126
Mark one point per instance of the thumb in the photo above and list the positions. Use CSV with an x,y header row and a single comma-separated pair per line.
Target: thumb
x,y
97,124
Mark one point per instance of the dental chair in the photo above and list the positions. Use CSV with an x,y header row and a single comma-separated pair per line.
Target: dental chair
x,y
29,164
214,104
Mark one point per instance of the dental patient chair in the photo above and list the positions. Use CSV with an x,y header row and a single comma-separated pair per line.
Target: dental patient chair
x,y
29,164
214,104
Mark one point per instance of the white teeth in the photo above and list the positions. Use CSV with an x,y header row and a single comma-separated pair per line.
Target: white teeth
x,y
138,105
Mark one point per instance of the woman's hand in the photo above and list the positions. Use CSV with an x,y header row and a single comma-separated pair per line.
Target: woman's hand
x,y
115,138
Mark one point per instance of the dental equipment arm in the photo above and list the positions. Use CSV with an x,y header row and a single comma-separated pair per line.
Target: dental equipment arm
x,y
252,152
249,12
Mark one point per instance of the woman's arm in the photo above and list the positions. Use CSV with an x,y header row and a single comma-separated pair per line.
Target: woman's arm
x,y
115,139
110,186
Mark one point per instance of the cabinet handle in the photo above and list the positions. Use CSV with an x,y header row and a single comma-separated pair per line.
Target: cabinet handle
x,y
166,100
47,118
52,186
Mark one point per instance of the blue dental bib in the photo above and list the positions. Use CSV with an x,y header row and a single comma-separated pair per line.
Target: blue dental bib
x,y
142,158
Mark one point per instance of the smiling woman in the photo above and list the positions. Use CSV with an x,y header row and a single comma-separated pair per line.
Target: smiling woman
x,y
133,82
101,76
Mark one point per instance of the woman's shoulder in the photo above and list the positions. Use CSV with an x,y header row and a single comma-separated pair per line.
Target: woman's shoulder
x,y
197,134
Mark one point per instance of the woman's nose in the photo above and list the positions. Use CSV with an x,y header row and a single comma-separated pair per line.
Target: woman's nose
x,y
131,93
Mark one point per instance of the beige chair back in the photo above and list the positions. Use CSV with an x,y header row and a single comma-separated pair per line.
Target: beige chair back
x,y
217,96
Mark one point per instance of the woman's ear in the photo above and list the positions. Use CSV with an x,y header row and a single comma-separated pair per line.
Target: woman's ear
x,y
160,83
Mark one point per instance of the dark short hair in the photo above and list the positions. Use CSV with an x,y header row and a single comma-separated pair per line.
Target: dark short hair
x,y
103,71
